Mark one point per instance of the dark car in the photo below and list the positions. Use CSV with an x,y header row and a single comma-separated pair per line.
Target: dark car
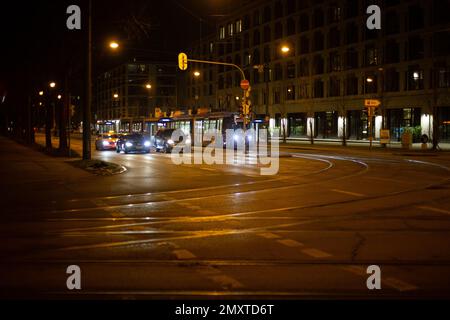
x,y
133,142
163,140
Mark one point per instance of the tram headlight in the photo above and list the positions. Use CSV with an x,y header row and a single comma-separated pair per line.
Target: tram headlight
x,y
129,144
188,141
147,144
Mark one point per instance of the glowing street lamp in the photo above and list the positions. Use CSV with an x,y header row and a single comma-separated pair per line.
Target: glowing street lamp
x,y
52,85
114,45
148,86
197,74
41,93
369,79
59,97
285,49
116,95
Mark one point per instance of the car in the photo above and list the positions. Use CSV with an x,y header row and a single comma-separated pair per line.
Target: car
x,y
162,141
106,141
133,142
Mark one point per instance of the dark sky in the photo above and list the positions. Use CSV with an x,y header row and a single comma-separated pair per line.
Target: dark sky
x,y
36,46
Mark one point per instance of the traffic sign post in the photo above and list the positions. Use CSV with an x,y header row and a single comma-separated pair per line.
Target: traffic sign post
x,y
371,105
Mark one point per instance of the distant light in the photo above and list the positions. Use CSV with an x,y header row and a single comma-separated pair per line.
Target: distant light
x,y
114,45
148,86
285,49
59,97
237,98
369,80
41,93
52,84
416,75
40,103
197,74
116,95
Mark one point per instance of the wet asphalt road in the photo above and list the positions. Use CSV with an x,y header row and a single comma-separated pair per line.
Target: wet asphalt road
x,y
163,231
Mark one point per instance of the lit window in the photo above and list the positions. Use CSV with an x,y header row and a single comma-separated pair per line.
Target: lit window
x,y
239,26
222,32
230,29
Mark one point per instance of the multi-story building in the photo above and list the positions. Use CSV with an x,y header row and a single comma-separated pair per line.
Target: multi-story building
x,y
133,91
312,63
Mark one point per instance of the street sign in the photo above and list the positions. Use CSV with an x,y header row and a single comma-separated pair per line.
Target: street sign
x,y
245,84
385,136
371,103
182,61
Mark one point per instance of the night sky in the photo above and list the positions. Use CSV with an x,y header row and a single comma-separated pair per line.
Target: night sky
x,y
36,46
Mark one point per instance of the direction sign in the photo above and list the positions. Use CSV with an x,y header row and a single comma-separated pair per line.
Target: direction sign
x,y
182,61
371,103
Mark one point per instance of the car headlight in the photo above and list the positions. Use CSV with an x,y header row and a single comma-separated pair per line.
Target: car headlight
x,y
129,144
105,143
147,144
170,141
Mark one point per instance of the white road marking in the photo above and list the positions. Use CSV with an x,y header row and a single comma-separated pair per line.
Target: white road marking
x,y
348,193
434,209
356,270
290,243
315,253
183,254
269,235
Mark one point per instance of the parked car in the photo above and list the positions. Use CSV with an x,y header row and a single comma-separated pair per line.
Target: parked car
x,y
106,141
133,142
163,142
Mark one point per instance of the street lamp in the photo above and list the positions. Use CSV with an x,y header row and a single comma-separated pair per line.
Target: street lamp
x,y
196,74
59,97
114,45
148,86
116,96
369,79
285,49
41,93
52,85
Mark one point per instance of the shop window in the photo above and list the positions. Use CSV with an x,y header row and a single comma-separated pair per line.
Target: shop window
x,y
318,88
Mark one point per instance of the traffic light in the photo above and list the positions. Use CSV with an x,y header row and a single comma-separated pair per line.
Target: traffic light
x,y
182,61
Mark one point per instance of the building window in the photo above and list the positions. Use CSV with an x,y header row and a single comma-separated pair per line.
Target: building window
x,y
318,88
238,26
415,18
278,10
334,38
318,64
334,14
278,72
444,78
211,47
415,49
351,32
392,52
256,18
303,67
290,70
290,92
351,59
278,30
318,41
392,23
230,29
266,54
351,8
303,45
267,14
414,79
351,85
303,23
267,34
276,96
371,56
221,32
290,27
256,37
318,18
335,87
392,80
303,91
335,62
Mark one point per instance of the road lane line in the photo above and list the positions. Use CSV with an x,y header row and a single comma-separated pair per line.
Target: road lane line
x,y
434,209
315,253
290,243
183,254
399,284
269,235
348,193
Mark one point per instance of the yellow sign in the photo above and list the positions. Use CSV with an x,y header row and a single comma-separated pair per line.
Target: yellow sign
x,y
182,61
385,136
371,103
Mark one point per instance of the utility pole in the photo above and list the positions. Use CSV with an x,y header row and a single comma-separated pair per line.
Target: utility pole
x,y
87,103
